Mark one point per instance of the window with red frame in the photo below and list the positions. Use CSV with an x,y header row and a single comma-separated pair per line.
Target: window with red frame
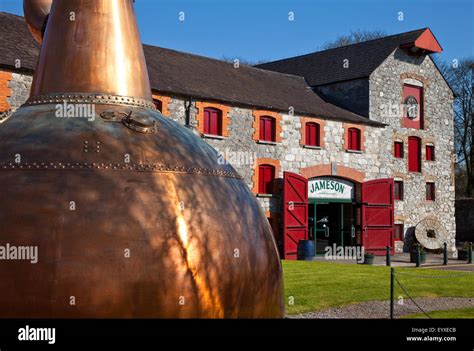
x,y
430,192
398,190
212,121
398,149
430,153
414,154
312,134
158,105
267,129
399,231
354,139
266,175
413,104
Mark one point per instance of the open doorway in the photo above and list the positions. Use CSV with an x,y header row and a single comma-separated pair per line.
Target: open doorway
x,y
331,223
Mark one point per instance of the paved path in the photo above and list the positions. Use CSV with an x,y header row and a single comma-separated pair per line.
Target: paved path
x,y
381,309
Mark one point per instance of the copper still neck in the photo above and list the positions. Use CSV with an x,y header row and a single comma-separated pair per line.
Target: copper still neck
x,y
92,47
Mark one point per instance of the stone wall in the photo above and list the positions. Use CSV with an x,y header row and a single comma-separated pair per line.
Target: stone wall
x,y
386,89
20,86
14,91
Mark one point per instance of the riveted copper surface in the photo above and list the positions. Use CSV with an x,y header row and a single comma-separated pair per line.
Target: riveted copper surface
x,y
127,224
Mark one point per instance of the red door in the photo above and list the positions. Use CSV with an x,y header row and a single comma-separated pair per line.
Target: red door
x,y
295,213
377,216
414,154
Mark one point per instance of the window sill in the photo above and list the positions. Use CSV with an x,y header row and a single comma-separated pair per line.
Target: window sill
x,y
266,195
354,151
263,142
211,136
312,147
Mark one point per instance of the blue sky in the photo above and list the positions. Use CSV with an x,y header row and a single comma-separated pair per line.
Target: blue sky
x,y
260,29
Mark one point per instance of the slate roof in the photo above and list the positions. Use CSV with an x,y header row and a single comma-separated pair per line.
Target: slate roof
x,y
178,73
16,43
324,67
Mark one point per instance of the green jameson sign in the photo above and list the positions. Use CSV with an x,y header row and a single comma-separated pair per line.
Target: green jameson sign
x,y
330,188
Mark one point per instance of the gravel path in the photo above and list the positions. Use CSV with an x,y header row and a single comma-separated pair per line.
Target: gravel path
x,y
381,309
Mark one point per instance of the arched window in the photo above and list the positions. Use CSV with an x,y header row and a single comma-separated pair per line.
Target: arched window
x,y
267,129
212,121
266,175
354,139
312,134
414,154
158,105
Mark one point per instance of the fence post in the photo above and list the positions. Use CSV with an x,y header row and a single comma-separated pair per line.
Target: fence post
x,y
392,282
418,258
388,260
469,253
445,254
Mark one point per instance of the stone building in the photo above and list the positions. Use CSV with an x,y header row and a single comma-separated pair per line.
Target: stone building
x,y
359,138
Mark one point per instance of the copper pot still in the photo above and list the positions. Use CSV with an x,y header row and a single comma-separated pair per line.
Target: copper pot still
x,y
133,215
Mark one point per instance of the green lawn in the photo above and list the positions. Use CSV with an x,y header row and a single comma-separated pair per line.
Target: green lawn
x,y
467,313
312,286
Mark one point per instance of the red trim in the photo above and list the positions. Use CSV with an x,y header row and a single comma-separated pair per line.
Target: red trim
x,y
427,41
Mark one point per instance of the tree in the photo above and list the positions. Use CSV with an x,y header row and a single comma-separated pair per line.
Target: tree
x,y
356,36
460,76
243,61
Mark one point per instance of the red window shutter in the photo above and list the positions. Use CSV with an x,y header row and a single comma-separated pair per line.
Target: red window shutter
x,y
312,134
398,190
212,121
430,153
399,232
207,122
398,149
267,129
354,139
414,154
262,128
430,192
266,174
